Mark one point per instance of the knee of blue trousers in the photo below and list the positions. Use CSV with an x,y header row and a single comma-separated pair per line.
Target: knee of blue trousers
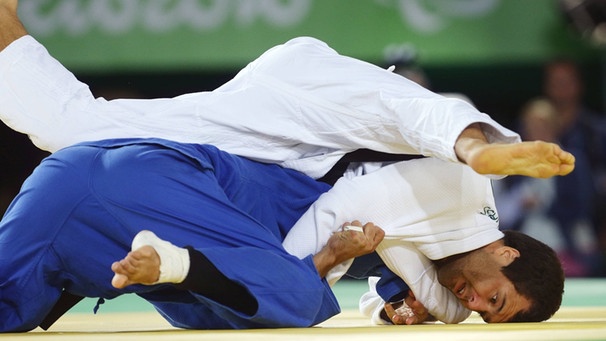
x,y
287,297
306,303
277,309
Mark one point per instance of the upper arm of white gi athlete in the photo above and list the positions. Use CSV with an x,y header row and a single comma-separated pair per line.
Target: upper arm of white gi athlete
x,y
311,232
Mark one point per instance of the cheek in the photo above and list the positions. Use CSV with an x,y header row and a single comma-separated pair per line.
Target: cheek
x,y
485,281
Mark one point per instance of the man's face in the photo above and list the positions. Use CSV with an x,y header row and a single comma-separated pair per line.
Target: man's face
x,y
476,279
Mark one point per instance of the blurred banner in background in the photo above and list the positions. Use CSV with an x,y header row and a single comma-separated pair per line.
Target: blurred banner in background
x,y
102,35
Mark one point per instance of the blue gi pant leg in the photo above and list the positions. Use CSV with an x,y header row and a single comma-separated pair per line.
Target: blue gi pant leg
x,y
35,232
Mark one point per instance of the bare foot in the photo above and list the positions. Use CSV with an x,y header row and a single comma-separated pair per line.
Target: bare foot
x,y
151,261
141,266
536,159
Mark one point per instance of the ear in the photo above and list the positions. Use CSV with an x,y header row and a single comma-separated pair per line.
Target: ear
x,y
506,255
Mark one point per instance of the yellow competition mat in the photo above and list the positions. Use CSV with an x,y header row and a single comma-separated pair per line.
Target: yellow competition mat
x,y
582,317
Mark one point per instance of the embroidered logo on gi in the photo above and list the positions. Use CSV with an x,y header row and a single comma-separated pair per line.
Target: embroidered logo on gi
x,y
490,213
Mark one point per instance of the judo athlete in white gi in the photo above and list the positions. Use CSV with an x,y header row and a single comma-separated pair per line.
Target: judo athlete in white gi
x,y
430,210
300,105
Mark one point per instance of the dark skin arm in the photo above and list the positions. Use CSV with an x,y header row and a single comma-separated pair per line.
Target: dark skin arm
x,y
11,27
344,245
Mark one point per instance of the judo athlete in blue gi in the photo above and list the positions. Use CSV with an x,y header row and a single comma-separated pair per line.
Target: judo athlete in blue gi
x,y
80,209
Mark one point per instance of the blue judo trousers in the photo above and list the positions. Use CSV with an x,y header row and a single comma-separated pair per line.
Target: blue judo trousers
x,y
80,209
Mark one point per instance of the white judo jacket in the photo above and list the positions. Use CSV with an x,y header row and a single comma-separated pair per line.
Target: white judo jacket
x,y
429,209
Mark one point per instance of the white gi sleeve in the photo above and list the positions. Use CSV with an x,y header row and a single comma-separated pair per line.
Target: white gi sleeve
x,y
418,271
371,304
437,299
401,257
312,231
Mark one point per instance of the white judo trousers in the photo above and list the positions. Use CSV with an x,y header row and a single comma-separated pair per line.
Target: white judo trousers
x,y
300,104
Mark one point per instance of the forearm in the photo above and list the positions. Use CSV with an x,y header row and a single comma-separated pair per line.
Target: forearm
x,y
11,27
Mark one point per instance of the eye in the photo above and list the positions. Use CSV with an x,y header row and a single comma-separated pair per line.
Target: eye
x,y
493,299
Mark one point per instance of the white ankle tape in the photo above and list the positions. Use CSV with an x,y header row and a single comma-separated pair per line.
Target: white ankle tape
x,y
174,261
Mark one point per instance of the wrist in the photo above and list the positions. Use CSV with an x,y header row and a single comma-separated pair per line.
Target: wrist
x,y
324,261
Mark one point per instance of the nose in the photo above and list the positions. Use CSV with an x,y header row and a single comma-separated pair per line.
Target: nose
x,y
476,303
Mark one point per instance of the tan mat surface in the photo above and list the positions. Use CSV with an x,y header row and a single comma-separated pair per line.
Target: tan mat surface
x,y
570,323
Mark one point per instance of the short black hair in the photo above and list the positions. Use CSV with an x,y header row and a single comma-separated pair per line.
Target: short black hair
x,y
537,275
